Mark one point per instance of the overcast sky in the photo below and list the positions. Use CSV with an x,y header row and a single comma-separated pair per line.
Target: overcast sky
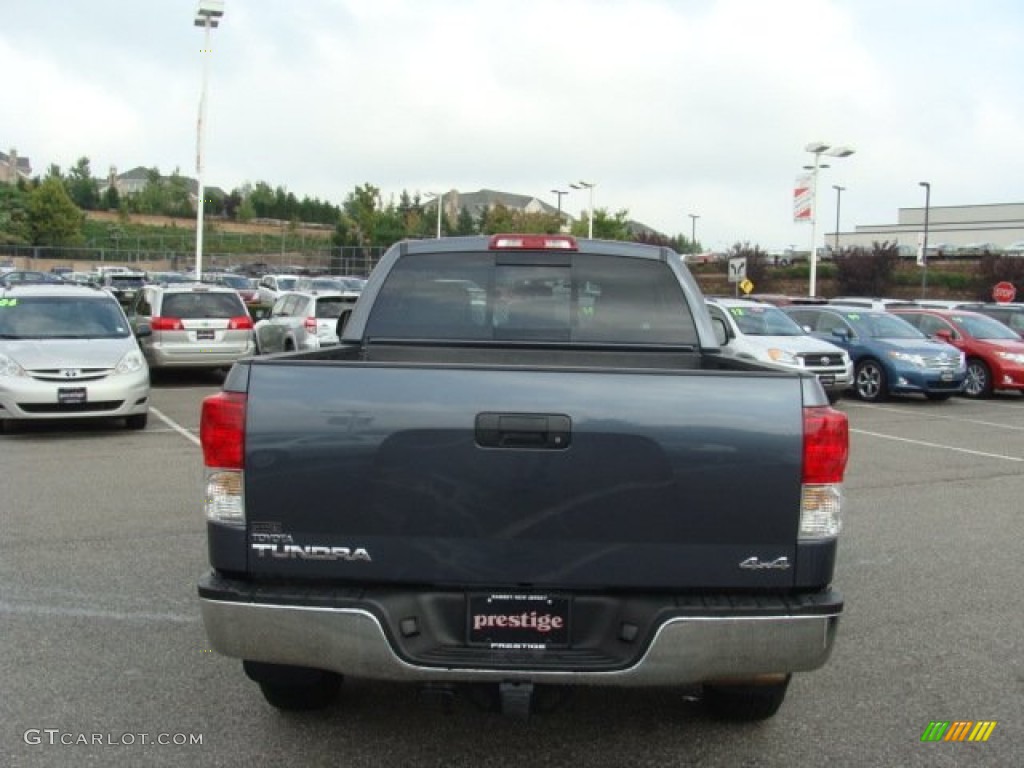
x,y
671,107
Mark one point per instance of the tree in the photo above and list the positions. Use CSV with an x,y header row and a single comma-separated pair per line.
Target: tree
x,y
606,226
111,198
53,218
14,226
82,187
863,272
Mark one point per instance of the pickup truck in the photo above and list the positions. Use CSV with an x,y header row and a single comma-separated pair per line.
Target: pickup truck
x,y
525,466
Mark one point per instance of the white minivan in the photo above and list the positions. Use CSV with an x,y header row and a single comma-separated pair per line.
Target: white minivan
x,y
763,333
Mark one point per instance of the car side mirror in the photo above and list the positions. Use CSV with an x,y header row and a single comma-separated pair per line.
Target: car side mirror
x,y
842,333
721,331
945,334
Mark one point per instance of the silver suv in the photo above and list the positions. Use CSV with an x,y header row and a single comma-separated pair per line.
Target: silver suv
x,y
301,320
192,325
67,352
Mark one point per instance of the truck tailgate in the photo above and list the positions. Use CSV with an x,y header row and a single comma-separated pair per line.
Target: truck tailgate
x,y
518,477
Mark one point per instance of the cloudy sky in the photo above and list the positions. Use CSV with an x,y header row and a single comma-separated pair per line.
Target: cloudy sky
x,y
672,107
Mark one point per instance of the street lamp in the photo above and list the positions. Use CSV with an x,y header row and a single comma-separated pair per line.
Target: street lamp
x,y
693,231
839,199
440,199
588,185
924,244
560,193
818,148
208,17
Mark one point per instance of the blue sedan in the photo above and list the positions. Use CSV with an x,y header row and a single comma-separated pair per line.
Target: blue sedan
x,y
890,356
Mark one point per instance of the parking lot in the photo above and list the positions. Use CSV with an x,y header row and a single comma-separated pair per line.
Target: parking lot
x,y
104,659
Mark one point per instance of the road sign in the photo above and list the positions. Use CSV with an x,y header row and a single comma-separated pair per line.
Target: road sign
x,y
746,286
738,269
1004,292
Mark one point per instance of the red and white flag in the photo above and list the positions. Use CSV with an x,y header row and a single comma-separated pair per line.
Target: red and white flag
x,y
802,199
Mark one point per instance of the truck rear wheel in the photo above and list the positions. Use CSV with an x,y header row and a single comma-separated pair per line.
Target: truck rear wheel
x,y
294,689
745,702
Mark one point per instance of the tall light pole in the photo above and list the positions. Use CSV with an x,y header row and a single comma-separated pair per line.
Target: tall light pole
x,y
839,199
208,17
818,148
693,231
560,193
590,186
439,197
924,244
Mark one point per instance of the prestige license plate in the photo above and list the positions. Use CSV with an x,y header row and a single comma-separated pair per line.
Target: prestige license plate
x,y
71,395
518,621
206,335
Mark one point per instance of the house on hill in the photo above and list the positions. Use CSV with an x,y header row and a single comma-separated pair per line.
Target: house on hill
x,y
13,167
137,179
479,202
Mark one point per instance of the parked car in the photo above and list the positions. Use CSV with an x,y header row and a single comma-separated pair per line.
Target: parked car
x,y
250,294
865,302
192,325
1010,315
67,352
273,285
21,276
763,332
123,285
994,352
301,320
890,356
350,285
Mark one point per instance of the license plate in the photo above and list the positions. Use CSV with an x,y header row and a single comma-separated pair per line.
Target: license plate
x,y
206,335
518,621
946,376
827,379
71,395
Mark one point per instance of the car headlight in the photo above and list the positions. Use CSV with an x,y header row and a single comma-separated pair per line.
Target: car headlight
x,y
903,357
131,363
10,367
782,356
1012,357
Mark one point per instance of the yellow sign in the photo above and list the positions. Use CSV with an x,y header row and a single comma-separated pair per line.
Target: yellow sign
x,y
746,286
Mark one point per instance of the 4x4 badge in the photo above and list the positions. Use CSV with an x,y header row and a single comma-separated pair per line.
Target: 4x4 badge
x,y
755,564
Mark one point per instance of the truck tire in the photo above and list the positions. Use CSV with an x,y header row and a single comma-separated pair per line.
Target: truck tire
x,y
870,381
294,689
979,379
744,703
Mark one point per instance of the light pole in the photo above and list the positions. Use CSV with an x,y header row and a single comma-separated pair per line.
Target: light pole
x,y
818,148
924,244
693,231
839,199
590,186
560,193
439,197
208,17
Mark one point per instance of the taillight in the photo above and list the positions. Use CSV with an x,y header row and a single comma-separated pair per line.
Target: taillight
x,y
826,449
532,243
166,324
241,323
310,325
222,430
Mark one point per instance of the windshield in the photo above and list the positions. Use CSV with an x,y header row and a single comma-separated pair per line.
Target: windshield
x,y
286,283
61,318
981,327
882,325
764,321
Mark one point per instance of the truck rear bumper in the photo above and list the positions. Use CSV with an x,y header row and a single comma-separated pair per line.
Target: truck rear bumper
x,y
685,645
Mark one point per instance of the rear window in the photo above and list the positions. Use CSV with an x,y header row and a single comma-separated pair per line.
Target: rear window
x,y
330,307
195,305
570,298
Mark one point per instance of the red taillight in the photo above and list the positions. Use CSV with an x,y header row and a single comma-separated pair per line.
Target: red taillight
x,y
240,323
310,325
222,430
826,445
532,243
166,324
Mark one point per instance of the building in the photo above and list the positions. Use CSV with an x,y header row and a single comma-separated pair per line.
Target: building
x,y
13,167
134,181
477,203
951,228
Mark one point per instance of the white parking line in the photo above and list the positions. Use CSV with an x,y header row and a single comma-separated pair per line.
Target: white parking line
x,y
939,446
174,425
932,415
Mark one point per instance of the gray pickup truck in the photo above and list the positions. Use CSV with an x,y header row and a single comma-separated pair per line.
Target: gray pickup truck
x,y
526,466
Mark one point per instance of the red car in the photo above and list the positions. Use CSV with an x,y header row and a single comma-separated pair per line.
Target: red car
x,y
995,353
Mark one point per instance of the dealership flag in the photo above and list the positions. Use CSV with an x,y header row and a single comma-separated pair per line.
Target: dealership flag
x,y
802,198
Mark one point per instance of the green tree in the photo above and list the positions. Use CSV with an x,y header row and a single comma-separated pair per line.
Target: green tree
x,y
14,226
111,198
606,226
82,187
53,218
465,224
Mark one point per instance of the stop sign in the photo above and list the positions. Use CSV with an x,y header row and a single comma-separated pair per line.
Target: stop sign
x,y
1004,292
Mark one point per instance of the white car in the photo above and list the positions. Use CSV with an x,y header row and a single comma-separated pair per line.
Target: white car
x,y
302,320
272,286
761,332
67,352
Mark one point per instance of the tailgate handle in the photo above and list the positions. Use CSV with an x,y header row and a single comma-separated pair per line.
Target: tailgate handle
x,y
523,430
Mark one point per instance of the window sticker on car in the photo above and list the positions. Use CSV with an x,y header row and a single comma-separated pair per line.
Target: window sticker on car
x,y
738,311
8,302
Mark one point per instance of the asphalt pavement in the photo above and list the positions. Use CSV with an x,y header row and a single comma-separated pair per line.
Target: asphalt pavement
x,y
103,659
